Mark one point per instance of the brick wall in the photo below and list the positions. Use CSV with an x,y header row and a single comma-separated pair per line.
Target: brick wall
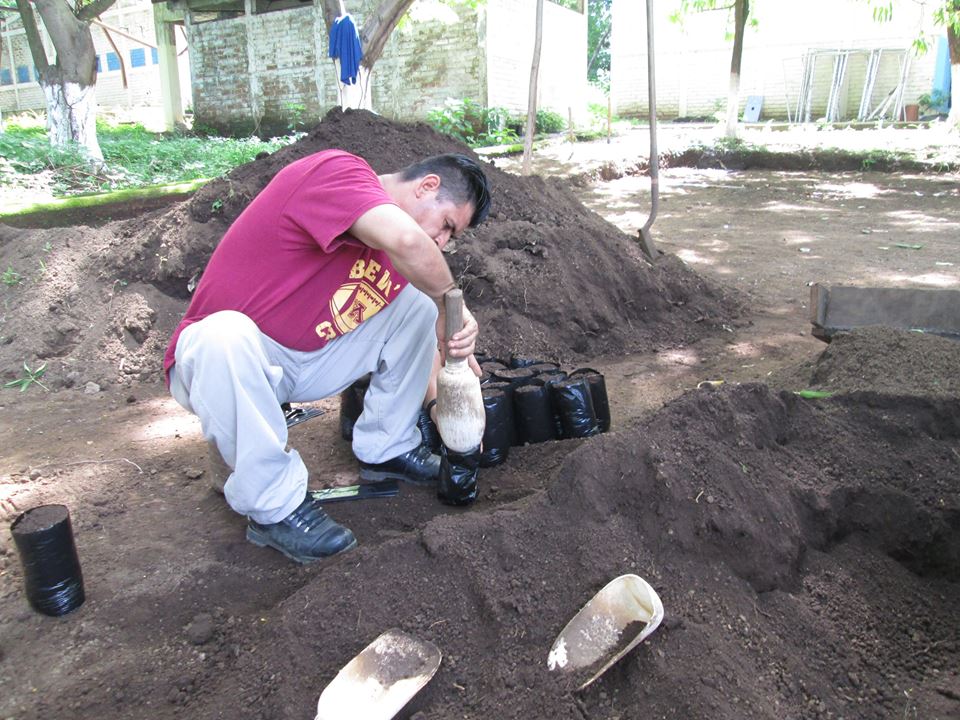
x,y
261,73
693,60
435,56
248,72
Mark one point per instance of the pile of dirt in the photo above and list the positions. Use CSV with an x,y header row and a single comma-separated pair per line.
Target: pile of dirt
x,y
545,276
806,553
883,360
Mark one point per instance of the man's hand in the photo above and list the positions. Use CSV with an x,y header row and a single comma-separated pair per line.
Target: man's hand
x,y
462,343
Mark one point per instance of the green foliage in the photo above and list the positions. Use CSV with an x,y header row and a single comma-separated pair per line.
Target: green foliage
x,y
134,157
11,277
599,25
472,123
872,158
685,7
29,377
550,122
698,6
933,101
946,14
814,394
732,144
296,113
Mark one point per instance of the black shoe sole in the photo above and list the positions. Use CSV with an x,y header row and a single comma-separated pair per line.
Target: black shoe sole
x,y
259,539
371,475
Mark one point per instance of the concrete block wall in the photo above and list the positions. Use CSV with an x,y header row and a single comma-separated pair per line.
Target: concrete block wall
x,y
693,60
260,73
248,72
18,96
218,74
438,55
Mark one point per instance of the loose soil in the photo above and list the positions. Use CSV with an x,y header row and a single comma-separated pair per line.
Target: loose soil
x,y
806,551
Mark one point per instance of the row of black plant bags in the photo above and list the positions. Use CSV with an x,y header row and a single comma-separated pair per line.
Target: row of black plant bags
x,y
530,401
526,401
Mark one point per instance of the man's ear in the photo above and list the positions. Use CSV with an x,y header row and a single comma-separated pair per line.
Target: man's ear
x,y
428,183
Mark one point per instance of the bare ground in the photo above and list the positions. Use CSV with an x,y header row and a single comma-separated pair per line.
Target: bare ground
x,y
806,551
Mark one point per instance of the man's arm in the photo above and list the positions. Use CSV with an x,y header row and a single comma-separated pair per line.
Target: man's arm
x,y
418,258
410,249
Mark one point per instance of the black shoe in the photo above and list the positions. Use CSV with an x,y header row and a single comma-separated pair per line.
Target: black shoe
x,y
418,466
305,535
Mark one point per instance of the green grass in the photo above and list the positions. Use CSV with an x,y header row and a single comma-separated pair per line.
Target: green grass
x,y
28,378
134,157
10,277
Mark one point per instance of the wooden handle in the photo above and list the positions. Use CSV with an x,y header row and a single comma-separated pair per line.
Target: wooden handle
x,y
453,309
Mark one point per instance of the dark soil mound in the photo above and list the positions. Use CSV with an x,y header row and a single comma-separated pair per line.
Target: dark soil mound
x,y
806,553
883,360
544,275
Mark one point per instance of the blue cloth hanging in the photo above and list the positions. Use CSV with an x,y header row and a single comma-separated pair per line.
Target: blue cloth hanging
x,y
941,76
345,45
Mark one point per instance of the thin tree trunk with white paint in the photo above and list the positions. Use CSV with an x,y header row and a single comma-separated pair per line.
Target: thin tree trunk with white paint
x,y
532,96
741,11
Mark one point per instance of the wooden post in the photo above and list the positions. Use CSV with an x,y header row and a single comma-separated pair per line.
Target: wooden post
x,y
169,67
609,118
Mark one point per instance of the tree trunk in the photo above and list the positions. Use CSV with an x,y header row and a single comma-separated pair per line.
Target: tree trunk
x,y
377,28
953,41
597,50
373,38
69,85
741,11
532,97
1,55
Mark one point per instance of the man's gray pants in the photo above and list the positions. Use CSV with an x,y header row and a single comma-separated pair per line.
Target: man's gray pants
x,y
234,379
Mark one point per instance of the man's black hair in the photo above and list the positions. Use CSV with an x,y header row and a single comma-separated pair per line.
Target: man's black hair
x,y
461,181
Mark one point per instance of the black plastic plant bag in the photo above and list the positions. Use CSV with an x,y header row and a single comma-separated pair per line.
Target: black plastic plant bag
x,y
572,401
515,376
499,431
458,476
521,362
533,414
51,569
543,367
598,394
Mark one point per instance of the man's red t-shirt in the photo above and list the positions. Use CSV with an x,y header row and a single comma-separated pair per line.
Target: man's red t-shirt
x,y
288,264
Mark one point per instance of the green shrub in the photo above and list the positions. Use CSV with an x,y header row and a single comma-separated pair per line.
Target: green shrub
x,y
472,123
550,122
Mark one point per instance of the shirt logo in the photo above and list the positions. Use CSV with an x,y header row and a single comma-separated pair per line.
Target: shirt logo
x,y
360,300
353,303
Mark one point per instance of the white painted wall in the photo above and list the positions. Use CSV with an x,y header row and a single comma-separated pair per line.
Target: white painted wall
x,y
693,60
562,82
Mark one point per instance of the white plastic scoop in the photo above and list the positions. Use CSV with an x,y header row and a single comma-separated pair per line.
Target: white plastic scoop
x,y
378,682
609,626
